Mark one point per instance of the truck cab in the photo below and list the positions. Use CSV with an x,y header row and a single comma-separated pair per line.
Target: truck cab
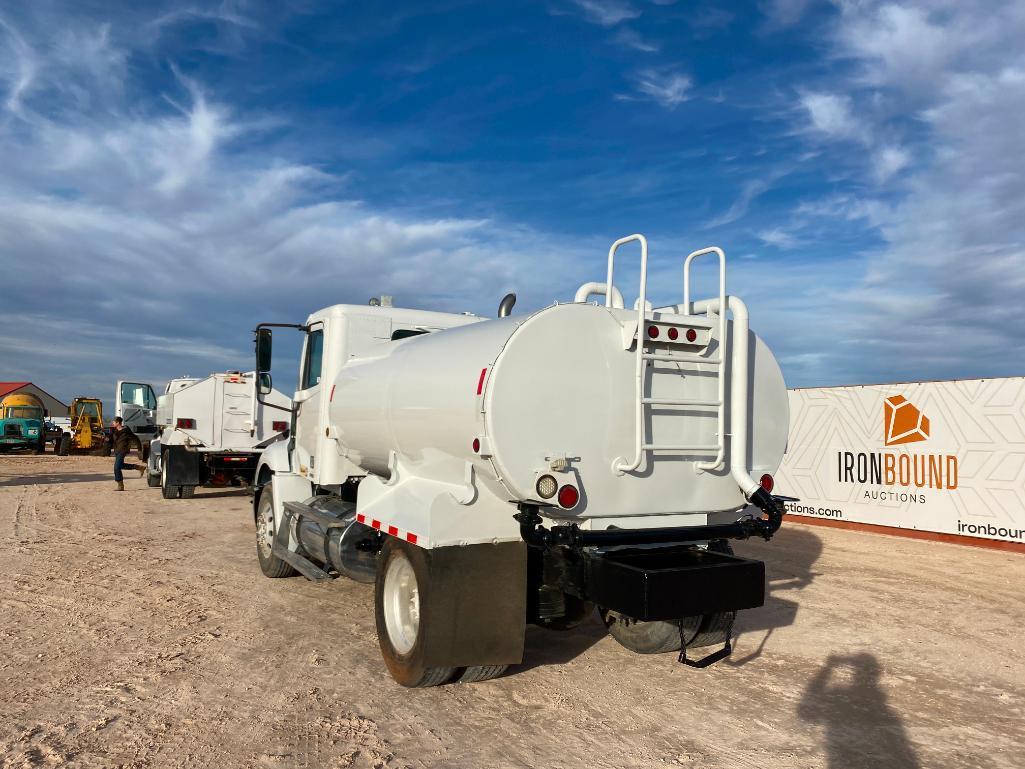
x,y
136,404
22,423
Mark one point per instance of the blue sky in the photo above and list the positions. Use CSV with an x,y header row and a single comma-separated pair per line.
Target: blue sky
x,y
175,172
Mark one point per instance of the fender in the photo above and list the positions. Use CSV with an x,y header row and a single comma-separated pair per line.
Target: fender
x,y
273,461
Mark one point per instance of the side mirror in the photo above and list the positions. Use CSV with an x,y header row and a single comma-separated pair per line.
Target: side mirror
x,y
263,352
264,383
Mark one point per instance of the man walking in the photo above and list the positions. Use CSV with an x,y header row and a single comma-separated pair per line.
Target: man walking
x,y
123,438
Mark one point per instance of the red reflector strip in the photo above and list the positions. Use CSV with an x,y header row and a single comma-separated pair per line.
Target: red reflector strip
x,y
331,397
480,382
385,528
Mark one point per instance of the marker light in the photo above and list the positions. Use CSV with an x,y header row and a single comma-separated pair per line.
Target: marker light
x,y
653,332
186,424
568,496
673,333
476,445
767,482
546,487
692,335
279,427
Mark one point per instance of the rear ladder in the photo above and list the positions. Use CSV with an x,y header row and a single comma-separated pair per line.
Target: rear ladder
x,y
642,443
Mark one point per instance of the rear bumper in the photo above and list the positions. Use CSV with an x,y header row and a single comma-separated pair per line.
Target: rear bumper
x,y
664,583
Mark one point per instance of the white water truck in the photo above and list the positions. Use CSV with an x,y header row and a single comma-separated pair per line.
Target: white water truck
x,y
487,473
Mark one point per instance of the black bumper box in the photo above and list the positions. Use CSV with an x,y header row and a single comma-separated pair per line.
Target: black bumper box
x,y
669,583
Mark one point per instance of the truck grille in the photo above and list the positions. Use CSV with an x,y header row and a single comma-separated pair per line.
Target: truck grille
x,y
12,431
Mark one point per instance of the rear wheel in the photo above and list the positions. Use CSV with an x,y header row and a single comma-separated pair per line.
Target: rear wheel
x,y
401,597
187,492
654,637
166,490
270,564
480,673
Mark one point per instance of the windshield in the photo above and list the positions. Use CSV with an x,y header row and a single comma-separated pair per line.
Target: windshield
x,y
88,410
23,412
136,394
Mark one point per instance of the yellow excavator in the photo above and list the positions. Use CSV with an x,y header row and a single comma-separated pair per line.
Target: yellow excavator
x,y
87,430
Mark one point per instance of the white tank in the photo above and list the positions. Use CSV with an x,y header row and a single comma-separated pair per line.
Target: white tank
x,y
520,395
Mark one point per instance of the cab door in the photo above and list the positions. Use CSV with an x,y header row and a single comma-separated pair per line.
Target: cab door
x,y
136,404
309,400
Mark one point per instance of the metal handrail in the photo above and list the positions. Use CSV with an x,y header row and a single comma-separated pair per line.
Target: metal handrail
x,y
724,349
620,465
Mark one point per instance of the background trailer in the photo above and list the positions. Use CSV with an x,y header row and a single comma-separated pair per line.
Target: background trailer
x,y
944,457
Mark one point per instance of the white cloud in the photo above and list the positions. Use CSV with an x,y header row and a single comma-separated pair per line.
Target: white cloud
x,y
160,234
939,95
631,39
779,238
607,13
667,88
831,115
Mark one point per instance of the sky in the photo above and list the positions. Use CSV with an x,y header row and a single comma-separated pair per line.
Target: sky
x,y
173,173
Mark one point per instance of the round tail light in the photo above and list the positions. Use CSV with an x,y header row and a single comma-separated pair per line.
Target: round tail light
x,y
546,487
653,332
568,496
767,483
673,333
692,335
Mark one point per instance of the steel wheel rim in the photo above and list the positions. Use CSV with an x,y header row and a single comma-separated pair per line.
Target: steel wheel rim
x,y
401,604
265,530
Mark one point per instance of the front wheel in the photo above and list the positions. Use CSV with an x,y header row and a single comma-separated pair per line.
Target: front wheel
x,y
270,564
64,445
402,595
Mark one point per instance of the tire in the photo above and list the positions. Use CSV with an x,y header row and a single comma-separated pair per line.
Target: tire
x,y
715,628
654,637
187,492
480,673
152,480
270,564
166,490
64,445
41,446
402,588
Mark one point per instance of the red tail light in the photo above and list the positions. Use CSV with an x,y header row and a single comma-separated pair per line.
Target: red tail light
x,y
673,333
692,335
653,332
767,483
186,424
279,427
568,496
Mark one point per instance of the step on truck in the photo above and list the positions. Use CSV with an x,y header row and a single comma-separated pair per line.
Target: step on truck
x,y
212,432
487,473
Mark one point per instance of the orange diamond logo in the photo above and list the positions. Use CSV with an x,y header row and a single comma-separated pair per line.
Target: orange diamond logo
x,y
903,422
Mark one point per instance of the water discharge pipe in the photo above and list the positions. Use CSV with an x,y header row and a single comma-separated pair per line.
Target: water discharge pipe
x,y
595,288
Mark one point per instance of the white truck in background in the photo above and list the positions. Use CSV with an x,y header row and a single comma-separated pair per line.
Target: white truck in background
x,y
136,404
212,431
484,474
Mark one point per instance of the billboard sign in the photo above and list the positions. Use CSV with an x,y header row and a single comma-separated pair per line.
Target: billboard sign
x,y
945,457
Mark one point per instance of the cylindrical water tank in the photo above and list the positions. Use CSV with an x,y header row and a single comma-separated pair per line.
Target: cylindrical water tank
x,y
519,396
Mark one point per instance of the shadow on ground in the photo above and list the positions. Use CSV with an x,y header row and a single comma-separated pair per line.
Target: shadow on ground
x,y
860,728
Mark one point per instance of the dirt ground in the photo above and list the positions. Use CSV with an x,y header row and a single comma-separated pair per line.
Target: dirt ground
x,y
138,631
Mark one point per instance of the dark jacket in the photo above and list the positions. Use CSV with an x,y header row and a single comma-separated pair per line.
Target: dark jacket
x,y
124,440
